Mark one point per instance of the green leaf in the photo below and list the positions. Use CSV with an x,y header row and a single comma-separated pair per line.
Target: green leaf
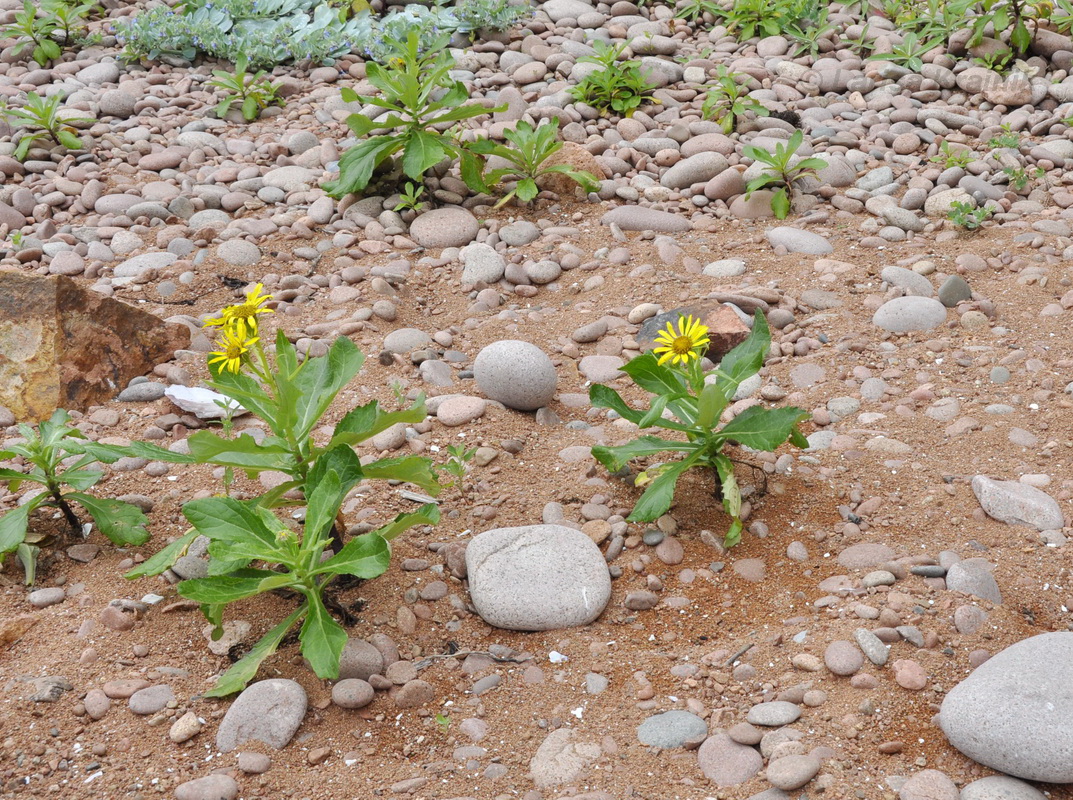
x,y
165,558
243,452
250,110
79,478
659,494
322,639
239,585
341,460
13,527
368,420
320,381
710,404
27,556
69,140
762,428
423,151
747,358
411,469
321,509
527,189
110,453
650,375
780,204
223,107
1021,38
601,396
244,670
366,556
244,390
615,458
655,412
122,523
428,514
241,530
356,165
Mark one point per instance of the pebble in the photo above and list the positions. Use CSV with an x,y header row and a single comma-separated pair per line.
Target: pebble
x,y
444,227
910,675
151,699
792,772
842,658
796,240
928,784
43,598
211,787
727,763
352,693
671,729
775,713
910,314
1017,503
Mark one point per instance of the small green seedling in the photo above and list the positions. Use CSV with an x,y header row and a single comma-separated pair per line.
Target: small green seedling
x,y
39,119
58,459
783,172
949,157
254,93
728,100
410,198
34,32
968,216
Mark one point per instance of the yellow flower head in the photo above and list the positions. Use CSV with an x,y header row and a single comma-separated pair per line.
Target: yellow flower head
x,y
233,346
683,345
243,317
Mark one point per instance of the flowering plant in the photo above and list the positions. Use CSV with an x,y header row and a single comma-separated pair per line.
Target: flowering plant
x,y
691,402
291,396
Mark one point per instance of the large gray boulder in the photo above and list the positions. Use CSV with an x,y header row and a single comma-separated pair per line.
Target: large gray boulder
x,y
1014,713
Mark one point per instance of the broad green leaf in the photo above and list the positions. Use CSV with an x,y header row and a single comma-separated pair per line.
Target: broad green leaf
x,y
1021,38
247,392
797,439
323,504
320,381
423,151
245,670
417,470
601,396
110,453
746,359
165,558
78,478
237,586
243,452
322,639
762,428
250,111
13,527
615,458
658,496
733,535
368,420
428,514
728,485
366,556
646,371
780,204
356,165
341,460
527,189
655,412
122,523
242,531
69,140
710,405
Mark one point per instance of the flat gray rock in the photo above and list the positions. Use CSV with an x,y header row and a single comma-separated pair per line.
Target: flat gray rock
x,y
1000,787
774,714
445,227
1017,503
639,218
975,580
726,763
796,240
908,314
537,577
1014,713
267,711
912,282
671,729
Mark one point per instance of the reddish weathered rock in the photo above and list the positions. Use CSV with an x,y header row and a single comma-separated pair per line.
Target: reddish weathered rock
x,y
725,328
64,347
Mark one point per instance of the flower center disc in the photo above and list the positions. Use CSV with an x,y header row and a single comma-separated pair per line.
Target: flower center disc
x,y
682,345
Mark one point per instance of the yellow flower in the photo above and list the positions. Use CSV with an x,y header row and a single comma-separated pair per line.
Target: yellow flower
x,y
233,346
683,345
243,317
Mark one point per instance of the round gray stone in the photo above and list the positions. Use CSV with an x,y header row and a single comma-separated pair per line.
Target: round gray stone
x,y
267,711
360,660
796,240
211,787
671,729
537,577
239,253
481,263
1017,503
352,693
639,218
151,699
517,374
406,340
912,282
907,314
726,763
774,714
792,772
725,268
445,227
1014,713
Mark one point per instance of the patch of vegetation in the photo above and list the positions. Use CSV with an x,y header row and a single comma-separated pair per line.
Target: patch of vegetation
x,y
672,374
60,464
784,169
421,97
728,100
948,157
618,87
39,119
528,151
253,93
909,53
968,215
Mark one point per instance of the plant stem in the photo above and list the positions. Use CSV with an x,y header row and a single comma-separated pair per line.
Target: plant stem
x,y
68,513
